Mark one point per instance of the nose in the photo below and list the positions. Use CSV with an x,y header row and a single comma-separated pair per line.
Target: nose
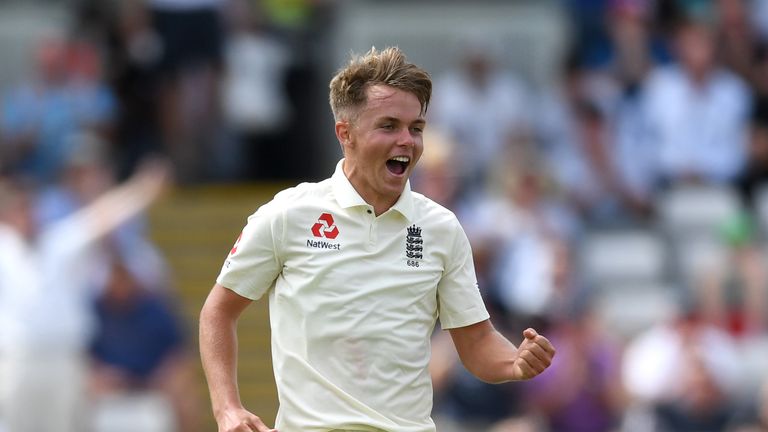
x,y
406,138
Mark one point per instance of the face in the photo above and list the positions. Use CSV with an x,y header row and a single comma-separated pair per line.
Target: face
x,y
759,144
121,288
383,144
696,49
18,213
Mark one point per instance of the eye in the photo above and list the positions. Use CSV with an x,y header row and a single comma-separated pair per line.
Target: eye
x,y
417,129
387,126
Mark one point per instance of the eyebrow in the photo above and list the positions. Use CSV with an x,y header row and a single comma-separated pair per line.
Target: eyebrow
x,y
419,121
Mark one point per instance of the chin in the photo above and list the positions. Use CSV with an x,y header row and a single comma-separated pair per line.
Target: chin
x,y
391,189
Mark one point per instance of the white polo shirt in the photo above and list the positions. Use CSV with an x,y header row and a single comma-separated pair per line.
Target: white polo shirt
x,y
353,301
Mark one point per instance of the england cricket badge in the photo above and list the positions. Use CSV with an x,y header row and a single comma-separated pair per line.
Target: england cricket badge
x,y
414,246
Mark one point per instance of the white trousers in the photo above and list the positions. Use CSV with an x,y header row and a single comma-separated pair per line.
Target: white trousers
x,y
43,392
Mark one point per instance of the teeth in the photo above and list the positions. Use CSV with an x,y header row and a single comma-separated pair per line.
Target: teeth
x,y
404,159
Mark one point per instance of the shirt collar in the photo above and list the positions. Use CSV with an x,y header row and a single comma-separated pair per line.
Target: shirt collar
x,y
347,196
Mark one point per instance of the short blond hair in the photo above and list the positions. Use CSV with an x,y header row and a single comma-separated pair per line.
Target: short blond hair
x,y
388,67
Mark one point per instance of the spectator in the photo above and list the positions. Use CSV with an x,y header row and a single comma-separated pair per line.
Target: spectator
x,y
578,148
521,257
135,52
755,174
582,392
482,107
87,173
191,34
754,416
526,230
255,98
638,48
759,16
700,403
38,116
759,77
732,291
140,346
672,370
435,176
45,318
697,112
590,34
737,37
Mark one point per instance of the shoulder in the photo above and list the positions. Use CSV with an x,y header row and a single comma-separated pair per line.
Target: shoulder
x,y
666,75
508,83
731,83
296,197
428,212
6,232
9,239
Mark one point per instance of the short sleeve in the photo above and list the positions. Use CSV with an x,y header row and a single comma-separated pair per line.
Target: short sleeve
x,y
253,263
459,300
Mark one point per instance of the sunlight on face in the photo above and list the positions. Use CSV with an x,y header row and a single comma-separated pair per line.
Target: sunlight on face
x,y
384,144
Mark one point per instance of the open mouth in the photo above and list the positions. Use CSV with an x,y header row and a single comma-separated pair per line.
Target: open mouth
x,y
398,164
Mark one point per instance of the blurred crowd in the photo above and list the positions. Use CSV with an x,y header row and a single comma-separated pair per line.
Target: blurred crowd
x,y
132,95
212,84
622,209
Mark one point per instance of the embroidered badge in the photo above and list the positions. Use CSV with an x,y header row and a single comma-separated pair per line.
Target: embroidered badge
x,y
414,246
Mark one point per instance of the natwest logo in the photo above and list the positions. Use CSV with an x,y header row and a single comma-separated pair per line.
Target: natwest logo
x,y
325,227
237,243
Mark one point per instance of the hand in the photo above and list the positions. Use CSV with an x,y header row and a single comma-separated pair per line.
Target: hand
x,y
154,175
534,355
240,420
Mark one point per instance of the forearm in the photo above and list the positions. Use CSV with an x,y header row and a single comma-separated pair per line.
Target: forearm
x,y
218,351
490,357
117,206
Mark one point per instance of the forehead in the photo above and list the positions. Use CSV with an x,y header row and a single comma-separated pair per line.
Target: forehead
x,y
383,100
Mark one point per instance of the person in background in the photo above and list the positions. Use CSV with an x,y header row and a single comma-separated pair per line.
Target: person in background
x,y
697,111
483,107
139,345
754,416
255,93
755,173
65,96
46,321
191,36
671,373
582,390
737,36
731,290
134,52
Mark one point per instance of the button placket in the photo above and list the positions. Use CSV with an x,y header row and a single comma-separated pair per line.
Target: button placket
x,y
373,232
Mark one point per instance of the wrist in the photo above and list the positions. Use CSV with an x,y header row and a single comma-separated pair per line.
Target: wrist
x,y
221,409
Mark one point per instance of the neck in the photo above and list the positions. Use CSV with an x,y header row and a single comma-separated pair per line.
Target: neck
x,y
380,209
22,229
699,76
380,203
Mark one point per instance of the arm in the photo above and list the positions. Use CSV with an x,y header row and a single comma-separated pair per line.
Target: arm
x,y
218,350
123,202
492,358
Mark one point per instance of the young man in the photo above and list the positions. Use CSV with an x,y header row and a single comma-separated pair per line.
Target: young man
x,y
358,269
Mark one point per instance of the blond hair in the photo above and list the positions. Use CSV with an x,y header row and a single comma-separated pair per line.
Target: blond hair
x,y
388,67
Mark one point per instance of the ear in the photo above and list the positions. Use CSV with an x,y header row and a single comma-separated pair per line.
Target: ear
x,y
343,133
